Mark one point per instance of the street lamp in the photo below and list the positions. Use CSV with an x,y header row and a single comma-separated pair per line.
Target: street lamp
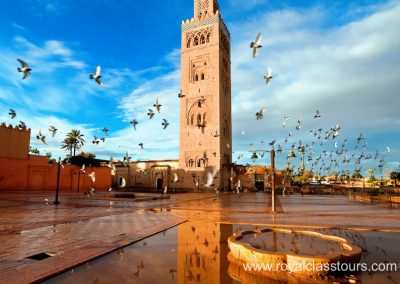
x,y
81,171
56,202
272,154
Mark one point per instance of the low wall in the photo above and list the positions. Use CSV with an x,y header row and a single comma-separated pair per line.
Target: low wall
x,y
384,199
35,173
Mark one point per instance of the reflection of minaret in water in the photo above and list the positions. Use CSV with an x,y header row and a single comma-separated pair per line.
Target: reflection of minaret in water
x,y
202,252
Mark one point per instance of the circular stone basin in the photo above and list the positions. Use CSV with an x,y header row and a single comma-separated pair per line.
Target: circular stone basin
x,y
305,252
296,243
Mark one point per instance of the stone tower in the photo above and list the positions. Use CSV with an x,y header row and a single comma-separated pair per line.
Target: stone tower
x,y
205,109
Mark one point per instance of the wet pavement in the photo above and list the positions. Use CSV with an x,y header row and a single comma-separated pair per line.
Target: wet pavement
x,y
81,229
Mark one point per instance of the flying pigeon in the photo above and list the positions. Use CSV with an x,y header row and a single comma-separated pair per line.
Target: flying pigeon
x,y
157,105
256,45
134,123
317,115
12,113
211,176
287,116
95,140
25,69
260,114
268,76
141,145
165,123
41,137
180,95
388,149
92,176
176,178
53,130
105,130
22,125
150,113
97,75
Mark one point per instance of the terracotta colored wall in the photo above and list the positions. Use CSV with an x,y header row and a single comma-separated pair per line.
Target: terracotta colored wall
x,y
14,143
35,173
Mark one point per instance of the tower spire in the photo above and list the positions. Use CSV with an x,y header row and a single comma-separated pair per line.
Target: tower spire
x,y
203,8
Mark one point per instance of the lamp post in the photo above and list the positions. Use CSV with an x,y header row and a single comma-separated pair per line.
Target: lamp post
x,y
56,202
272,154
79,176
273,205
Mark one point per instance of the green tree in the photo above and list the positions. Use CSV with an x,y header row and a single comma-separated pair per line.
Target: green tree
x,y
356,175
87,155
73,141
395,176
34,151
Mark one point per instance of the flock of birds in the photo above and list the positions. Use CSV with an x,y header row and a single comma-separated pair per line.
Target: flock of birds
x,y
26,70
325,161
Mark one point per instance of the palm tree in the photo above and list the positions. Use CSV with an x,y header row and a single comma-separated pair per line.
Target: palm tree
x,y
74,141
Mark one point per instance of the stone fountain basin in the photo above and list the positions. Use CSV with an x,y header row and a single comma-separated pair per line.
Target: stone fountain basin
x,y
289,261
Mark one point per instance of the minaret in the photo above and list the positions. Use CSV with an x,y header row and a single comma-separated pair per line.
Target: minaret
x,y
205,109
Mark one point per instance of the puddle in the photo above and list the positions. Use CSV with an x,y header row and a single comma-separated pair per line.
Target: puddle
x,y
197,253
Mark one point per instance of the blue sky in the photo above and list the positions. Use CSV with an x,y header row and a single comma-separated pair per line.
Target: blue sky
x,y
341,57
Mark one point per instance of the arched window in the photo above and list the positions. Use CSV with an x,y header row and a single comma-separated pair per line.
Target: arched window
x,y
202,40
205,162
199,119
199,103
199,163
196,41
208,37
190,163
192,119
196,77
189,42
202,76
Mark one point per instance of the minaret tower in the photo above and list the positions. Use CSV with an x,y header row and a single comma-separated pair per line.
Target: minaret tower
x,y
205,109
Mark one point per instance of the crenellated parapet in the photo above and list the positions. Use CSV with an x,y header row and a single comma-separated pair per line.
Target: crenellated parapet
x,y
16,127
205,20
14,141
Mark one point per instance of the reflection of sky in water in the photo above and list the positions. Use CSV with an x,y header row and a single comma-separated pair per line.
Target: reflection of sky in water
x,y
201,258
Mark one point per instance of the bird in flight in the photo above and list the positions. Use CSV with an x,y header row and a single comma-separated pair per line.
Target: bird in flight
x,y
211,176
268,76
96,76
157,105
141,145
150,113
105,130
256,45
317,115
92,176
41,137
180,95
134,123
22,125
53,130
12,113
260,114
164,123
96,140
25,69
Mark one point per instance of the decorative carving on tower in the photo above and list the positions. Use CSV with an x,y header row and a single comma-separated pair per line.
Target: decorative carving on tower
x,y
205,124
